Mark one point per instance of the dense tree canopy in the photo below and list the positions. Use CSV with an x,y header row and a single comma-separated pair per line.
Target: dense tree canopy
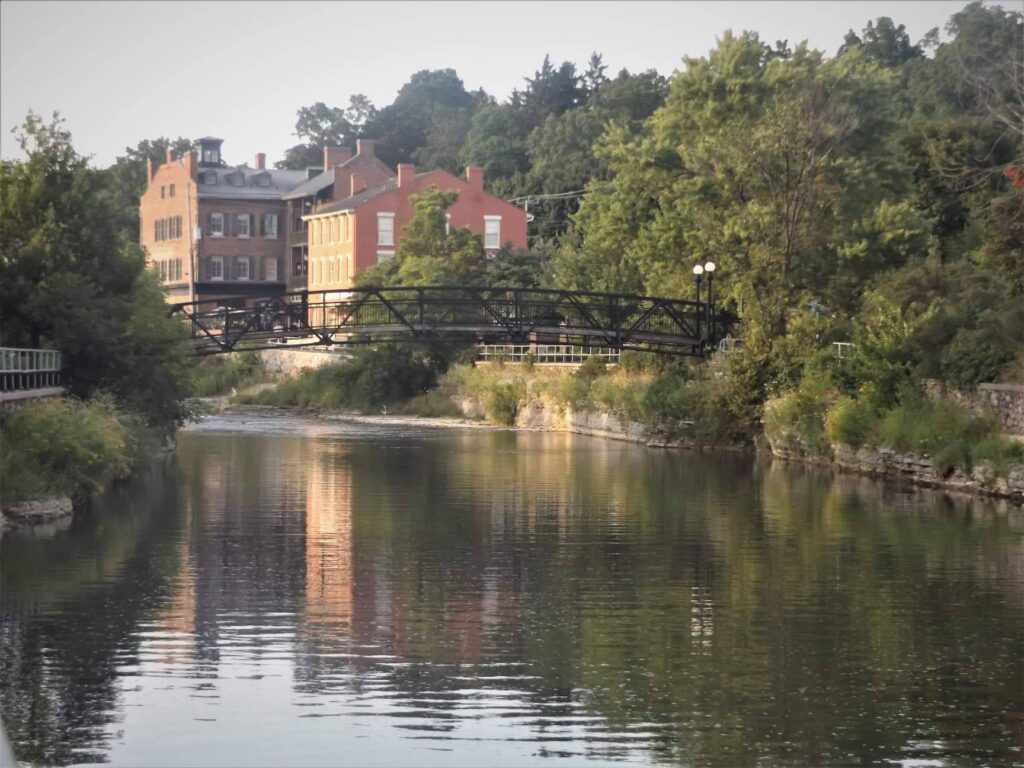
x,y
73,277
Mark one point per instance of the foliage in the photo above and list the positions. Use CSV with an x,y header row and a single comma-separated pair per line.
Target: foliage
x,y
219,374
427,255
373,379
434,404
319,126
73,278
62,447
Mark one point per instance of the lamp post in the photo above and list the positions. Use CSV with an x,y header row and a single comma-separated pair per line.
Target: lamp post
x,y
709,268
698,271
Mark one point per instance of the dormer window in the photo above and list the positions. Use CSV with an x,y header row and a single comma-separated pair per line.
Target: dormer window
x,y
208,177
262,179
236,179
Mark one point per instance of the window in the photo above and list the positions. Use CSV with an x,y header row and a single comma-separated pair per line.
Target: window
x,y
156,229
216,269
211,156
216,225
208,177
385,255
270,225
163,190
492,231
270,268
242,269
170,191
262,179
385,229
242,225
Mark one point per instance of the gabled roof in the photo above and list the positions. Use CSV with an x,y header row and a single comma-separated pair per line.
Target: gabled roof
x,y
348,203
322,181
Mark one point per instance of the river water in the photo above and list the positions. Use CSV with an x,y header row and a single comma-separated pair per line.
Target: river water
x,y
288,591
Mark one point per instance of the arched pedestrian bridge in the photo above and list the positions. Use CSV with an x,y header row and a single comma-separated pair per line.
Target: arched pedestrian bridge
x,y
481,314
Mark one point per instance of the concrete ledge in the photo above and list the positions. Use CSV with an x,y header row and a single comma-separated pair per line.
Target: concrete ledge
x,y
30,394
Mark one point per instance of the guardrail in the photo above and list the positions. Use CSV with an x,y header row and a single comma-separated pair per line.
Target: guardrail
x,y
551,354
23,369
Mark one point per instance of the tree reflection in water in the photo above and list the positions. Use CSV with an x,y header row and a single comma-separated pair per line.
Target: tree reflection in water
x,y
573,596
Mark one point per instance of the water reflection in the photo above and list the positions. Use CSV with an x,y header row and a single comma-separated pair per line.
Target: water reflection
x,y
380,595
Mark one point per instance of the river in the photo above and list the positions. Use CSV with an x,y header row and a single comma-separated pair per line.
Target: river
x,y
287,591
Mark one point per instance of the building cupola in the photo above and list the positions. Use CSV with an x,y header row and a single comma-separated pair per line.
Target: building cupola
x,y
209,151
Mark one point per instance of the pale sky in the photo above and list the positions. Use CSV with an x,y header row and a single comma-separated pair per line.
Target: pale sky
x,y
120,72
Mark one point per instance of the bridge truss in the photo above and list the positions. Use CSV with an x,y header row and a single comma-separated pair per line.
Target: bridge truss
x,y
480,314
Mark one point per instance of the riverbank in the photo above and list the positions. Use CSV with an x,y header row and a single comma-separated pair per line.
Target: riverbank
x,y
538,415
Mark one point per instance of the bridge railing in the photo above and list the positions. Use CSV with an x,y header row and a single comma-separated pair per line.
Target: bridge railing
x,y
22,369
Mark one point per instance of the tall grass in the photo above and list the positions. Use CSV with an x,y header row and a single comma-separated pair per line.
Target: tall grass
x,y
220,374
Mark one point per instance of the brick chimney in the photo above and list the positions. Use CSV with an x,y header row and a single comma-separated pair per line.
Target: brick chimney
x,y
358,183
475,176
406,173
364,147
336,156
260,163
170,155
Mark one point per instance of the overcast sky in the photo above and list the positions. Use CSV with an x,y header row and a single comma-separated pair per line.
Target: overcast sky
x,y
120,72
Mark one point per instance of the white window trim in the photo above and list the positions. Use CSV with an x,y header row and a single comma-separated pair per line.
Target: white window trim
x,y
248,273
487,220
270,268
385,216
385,255
214,233
447,223
219,262
239,218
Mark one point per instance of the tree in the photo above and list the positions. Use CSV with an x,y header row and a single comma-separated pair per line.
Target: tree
x,y
883,43
427,254
73,278
320,126
428,121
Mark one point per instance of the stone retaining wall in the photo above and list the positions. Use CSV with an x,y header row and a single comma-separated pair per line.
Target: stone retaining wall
x,y
1004,401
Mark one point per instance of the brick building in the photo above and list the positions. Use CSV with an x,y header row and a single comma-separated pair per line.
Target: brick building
x,y
358,229
213,231
332,182
222,233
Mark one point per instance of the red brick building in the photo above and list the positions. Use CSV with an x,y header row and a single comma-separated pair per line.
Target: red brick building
x,y
333,182
214,231
363,227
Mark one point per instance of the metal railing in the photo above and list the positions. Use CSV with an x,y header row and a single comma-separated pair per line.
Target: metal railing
x,y
551,354
22,369
487,315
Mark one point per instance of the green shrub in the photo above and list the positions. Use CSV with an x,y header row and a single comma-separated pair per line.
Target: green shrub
x,y
62,447
433,404
371,379
592,368
850,421
503,400
219,374
796,420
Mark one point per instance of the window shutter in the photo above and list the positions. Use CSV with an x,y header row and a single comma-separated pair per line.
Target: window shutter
x,y
209,224
263,225
252,225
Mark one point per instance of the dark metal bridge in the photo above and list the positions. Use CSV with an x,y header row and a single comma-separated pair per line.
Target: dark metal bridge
x,y
480,314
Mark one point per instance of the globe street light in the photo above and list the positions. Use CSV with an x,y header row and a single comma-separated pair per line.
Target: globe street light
x,y
698,270
709,268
